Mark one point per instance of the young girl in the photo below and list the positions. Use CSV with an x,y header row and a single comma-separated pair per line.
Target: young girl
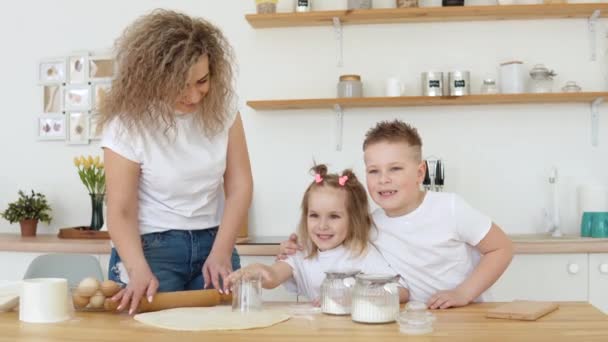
x,y
335,225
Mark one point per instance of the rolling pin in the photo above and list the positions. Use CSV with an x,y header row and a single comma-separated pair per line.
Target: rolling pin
x,y
177,299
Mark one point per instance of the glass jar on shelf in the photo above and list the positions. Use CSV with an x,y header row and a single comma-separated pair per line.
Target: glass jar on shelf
x,y
406,3
336,291
375,298
266,6
571,87
350,86
542,79
488,86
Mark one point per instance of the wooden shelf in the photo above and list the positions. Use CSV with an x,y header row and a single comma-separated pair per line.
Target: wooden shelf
x,y
409,101
427,14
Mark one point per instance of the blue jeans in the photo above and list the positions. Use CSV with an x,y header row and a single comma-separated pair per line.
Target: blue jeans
x,y
176,258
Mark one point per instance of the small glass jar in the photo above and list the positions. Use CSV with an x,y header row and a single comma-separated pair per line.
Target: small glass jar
x,y
571,87
416,320
266,6
406,3
336,292
542,79
375,298
350,86
488,86
359,4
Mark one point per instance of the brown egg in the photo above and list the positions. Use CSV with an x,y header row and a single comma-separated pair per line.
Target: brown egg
x,y
87,287
109,288
97,300
109,305
79,301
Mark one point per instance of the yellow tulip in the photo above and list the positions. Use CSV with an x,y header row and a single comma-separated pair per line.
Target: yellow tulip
x,y
76,162
96,160
90,160
81,160
87,164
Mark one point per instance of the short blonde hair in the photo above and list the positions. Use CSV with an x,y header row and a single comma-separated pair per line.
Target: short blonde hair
x,y
154,56
360,221
395,131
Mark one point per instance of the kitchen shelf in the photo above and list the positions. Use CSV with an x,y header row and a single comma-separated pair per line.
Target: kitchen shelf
x,y
427,14
410,101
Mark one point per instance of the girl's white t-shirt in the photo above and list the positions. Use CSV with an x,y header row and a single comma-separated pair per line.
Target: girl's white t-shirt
x,y
182,170
308,274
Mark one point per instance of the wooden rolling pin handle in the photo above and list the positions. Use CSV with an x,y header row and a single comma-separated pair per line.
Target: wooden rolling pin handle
x,y
178,299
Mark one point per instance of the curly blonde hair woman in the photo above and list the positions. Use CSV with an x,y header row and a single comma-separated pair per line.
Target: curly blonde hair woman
x,y
177,168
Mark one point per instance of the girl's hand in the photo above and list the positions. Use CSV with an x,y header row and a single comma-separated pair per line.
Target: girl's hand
x,y
216,269
448,299
248,272
316,303
289,247
142,282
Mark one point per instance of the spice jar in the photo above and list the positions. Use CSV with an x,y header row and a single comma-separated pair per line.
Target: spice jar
x,y
350,86
406,3
542,79
303,5
266,6
459,83
359,4
375,298
571,87
432,83
488,86
336,292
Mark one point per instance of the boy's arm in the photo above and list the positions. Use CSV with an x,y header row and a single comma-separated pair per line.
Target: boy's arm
x,y
497,251
404,295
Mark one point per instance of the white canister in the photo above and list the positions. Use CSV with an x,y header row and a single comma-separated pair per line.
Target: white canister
x,y
303,5
45,300
512,77
432,83
459,83
429,3
393,87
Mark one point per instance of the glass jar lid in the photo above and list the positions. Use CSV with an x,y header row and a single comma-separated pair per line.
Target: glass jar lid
x,y
541,72
571,87
341,274
489,81
377,279
350,78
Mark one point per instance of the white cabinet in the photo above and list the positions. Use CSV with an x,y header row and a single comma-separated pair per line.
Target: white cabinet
x,y
598,281
555,277
279,294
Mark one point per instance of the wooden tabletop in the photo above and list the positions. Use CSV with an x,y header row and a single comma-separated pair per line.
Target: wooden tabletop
x,y
269,245
571,322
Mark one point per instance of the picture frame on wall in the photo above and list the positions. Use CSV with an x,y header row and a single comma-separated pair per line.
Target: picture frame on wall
x,y
101,68
78,71
52,97
52,71
77,98
77,128
51,127
100,91
93,134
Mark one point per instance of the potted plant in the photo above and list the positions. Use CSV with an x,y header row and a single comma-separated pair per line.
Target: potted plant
x,y
28,210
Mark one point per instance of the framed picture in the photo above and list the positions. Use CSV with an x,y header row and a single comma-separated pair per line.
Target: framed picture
x,y
51,127
100,91
52,71
78,68
51,98
77,97
101,68
93,134
78,128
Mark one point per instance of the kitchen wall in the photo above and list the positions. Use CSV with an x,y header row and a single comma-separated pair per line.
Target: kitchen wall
x,y
497,157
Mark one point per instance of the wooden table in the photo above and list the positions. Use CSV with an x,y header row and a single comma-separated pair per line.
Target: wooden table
x,y
578,322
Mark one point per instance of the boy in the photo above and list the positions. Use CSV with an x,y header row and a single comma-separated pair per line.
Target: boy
x,y
433,240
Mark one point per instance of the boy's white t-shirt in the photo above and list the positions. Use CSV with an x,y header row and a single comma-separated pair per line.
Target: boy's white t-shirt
x,y
182,172
432,247
308,274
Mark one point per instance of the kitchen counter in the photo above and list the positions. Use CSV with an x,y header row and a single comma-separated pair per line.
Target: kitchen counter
x,y
571,322
269,245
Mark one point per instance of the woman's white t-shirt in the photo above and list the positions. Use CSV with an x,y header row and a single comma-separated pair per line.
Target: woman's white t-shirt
x,y
182,170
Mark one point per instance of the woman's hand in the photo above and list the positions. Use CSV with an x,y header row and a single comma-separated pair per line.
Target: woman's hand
x,y
142,282
216,269
289,247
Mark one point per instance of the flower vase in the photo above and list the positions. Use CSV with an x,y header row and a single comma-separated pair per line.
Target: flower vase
x,y
96,211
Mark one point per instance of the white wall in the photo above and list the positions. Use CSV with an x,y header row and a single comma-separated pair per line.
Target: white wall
x,y
498,157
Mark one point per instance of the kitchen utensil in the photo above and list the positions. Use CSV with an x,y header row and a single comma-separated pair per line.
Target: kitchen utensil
x,y
375,298
247,293
44,300
177,299
336,291
522,310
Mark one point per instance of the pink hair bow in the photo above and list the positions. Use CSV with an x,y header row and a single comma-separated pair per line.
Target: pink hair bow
x,y
318,178
342,180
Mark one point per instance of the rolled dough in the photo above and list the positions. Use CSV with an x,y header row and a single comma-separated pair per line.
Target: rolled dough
x,y
212,318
